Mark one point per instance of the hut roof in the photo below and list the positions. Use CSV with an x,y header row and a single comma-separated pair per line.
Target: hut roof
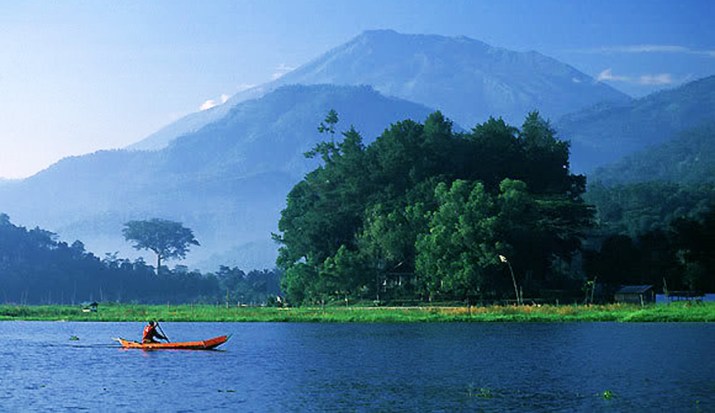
x,y
634,289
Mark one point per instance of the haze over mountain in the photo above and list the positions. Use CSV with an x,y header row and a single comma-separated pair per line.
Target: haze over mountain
x,y
466,79
688,159
225,172
610,131
227,181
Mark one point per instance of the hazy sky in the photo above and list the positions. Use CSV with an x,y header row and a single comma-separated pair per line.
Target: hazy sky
x,y
78,76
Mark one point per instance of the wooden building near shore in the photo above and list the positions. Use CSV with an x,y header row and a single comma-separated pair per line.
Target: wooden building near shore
x,y
635,294
89,306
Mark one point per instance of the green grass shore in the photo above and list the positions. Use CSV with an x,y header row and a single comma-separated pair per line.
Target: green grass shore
x,y
674,312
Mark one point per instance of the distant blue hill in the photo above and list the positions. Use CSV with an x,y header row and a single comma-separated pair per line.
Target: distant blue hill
x,y
227,181
466,79
689,159
606,133
225,172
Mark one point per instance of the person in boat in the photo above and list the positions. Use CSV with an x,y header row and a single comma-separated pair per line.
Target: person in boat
x,y
151,335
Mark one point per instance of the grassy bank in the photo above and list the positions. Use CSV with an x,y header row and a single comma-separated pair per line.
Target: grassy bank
x,y
675,312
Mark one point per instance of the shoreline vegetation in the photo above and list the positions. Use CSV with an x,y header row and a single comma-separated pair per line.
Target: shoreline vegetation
x,y
111,312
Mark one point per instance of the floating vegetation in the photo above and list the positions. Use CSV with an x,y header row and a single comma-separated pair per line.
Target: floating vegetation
x,y
481,392
74,338
607,395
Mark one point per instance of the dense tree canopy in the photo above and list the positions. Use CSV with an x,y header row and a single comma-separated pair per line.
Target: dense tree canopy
x,y
677,256
634,209
423,212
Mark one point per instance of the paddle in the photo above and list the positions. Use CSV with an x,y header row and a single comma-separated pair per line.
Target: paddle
x,y
162,332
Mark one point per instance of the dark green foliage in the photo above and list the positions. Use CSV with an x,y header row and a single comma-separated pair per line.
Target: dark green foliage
x,y
328,125
256,287
695,243
653,211
638,208
458,255
678,257
300,281
618,261
35,268
423,212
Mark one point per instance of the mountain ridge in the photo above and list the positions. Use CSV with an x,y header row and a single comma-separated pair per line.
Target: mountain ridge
x,y
688,159
227,181
607,132
427,69
225,172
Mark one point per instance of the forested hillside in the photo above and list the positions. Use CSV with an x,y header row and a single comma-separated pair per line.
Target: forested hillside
x,y
633,209
649,207
609,131
688,159
645,198
35,268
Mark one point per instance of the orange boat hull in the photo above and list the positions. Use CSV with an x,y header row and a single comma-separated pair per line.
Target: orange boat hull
x,y
182,345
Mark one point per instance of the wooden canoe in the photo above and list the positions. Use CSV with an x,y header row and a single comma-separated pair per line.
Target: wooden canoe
x,y
180,345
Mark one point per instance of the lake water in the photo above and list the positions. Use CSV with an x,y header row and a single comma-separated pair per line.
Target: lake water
x,y
449,367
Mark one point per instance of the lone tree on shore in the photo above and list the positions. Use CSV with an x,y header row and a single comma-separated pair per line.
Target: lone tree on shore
x,y
167,239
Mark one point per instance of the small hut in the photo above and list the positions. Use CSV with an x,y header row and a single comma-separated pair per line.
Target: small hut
x,y
89,306
636,294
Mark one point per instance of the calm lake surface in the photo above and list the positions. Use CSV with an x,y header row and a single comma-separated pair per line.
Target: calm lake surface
x,y
447,367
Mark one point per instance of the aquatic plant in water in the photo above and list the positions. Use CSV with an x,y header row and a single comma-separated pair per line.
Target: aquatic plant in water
x,y
482,392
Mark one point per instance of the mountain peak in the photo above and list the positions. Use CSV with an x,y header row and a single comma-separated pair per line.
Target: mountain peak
x,y
468,80
387,37
378,33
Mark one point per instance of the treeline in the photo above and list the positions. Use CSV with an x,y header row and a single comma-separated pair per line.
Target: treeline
x,y
35,268
655,233
428,214
655,216
425,213
638,208
422,214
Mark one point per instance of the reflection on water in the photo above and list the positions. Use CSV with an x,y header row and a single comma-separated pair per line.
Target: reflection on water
x,y
363,367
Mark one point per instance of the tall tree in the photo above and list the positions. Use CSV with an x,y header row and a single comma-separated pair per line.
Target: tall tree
x,y
167,239
458,255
